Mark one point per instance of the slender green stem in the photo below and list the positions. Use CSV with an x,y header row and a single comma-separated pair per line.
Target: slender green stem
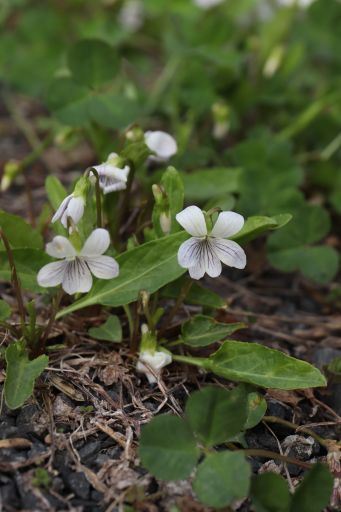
x,y
182,295
255,452
15,279
293,426
124,203
98,196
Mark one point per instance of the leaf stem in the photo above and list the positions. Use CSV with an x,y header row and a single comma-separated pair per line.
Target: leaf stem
x,y
15,279
293,426
124,203
255,452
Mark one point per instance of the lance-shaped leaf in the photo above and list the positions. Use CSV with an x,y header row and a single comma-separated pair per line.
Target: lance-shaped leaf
x,y
147,267
203,330
21,374
196,295
259,365
5,310
258,224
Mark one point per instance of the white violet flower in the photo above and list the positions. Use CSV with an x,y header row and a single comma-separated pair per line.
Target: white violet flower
x,y
72,206
151,363
162,144
112,178
131,15
207,4
75,269
205,251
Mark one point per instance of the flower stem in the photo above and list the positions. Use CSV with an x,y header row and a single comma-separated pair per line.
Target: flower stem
x,y
124,203
98,196
15,279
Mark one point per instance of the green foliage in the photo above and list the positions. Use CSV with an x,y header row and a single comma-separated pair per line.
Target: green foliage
x,y
270,493
41,478
19,234
28,263
168,448
257,224
197,295
171,447
256,408
259,365
216,415
207,183
168,202
201,331
5,310
92,62
21,374
85,97
313,494
55,191
111,330
222,478
289,249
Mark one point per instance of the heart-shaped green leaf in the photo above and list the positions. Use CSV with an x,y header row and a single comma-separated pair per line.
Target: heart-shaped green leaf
x,y
168,448
222,478
111,330
215,414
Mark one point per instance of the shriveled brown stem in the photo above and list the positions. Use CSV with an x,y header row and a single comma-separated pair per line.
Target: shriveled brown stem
x,y
15,278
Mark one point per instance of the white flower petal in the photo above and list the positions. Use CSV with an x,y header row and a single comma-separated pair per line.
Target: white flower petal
x,y
207,261
62,208
163,144
188,253
103,267
227,224
197,272
192,220
97,243
229,252
207,4
51,274
75,209
60,247
77,277
113,186
210,260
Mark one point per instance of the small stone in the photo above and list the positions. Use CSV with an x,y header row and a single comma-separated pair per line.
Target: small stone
x,y
79,485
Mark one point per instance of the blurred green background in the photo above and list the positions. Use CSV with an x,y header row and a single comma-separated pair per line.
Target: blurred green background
x,y
249,88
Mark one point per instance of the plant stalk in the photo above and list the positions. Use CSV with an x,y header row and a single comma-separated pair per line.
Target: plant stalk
x,y
15,279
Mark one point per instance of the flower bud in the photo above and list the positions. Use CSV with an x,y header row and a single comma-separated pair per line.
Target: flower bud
x,y
11,170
